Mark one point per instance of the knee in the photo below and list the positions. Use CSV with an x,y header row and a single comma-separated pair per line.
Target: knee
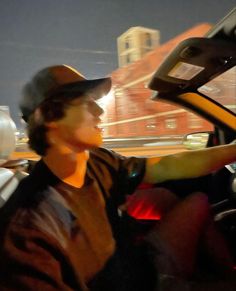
x,y
198,202
198,197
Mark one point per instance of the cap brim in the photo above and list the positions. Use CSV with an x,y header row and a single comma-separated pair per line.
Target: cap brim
x,y
100,87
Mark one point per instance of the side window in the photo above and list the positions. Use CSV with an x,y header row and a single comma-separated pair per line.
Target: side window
x,y
127,42
128,58
148,40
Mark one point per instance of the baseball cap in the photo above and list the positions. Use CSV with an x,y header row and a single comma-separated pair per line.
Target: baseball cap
x,y
59,80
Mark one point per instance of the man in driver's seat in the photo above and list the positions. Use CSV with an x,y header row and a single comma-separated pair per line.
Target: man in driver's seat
x,y
61,229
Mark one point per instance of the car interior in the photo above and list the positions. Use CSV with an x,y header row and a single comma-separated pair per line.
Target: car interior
x,y
182,80
10,170
184,76
190,77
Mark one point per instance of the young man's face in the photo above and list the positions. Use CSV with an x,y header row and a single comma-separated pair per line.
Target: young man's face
x,y
78,129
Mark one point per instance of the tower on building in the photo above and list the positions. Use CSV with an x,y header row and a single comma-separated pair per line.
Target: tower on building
x,y
135,43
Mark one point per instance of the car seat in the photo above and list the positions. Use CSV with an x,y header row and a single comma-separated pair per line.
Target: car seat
x,y
9,178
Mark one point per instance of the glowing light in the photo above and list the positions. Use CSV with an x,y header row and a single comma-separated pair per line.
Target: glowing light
x,y
141,211
105,100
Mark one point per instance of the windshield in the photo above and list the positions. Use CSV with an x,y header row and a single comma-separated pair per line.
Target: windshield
x,y
222,89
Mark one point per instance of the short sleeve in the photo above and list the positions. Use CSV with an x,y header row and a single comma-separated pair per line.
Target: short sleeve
x,y
118,175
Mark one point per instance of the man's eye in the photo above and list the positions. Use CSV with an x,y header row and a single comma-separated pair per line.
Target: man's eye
x,y
91,102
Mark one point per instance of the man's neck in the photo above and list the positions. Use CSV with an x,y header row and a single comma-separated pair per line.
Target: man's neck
x,y
68,166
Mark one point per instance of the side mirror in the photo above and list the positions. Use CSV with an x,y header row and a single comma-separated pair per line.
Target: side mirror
x,y
197,140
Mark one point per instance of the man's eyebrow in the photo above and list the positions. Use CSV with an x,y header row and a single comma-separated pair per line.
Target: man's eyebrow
x,y
80,101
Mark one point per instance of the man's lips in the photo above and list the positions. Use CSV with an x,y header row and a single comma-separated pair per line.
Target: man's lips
x,y
97,127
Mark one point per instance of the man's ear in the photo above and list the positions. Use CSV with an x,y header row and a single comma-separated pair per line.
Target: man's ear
x,y
51,124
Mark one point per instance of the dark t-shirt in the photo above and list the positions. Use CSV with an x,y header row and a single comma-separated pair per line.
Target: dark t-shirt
x,y
57,237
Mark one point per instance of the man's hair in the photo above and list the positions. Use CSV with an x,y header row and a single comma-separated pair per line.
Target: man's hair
x,y
46,96
50,110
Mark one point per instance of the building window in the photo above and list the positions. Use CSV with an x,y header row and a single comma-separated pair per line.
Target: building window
x,y
128,59
105,131
120,109
147,50
194,121
148,39
149,104
151,125
132,128
132,109
120,128
127,43
170,123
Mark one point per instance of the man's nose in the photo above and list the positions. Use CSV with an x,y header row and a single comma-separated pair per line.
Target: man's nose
x,y
98,109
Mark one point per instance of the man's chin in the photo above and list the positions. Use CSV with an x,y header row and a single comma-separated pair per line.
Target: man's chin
x,y
95,144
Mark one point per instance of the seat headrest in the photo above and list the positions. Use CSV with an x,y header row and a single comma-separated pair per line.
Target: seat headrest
x,y
7,136
9,180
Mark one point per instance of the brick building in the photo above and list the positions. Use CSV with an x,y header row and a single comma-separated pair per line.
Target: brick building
x,y
129,110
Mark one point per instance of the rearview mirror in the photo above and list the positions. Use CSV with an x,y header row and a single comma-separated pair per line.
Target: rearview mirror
x,y
197,140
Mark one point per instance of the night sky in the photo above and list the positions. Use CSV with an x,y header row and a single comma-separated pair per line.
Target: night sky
x,y
38,33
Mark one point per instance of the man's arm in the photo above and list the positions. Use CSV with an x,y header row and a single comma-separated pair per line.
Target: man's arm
x,y
189,164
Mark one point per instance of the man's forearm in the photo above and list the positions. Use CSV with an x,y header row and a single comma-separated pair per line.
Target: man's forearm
x,y
189,164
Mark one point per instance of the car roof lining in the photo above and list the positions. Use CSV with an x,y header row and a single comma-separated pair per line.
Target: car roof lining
x,y
216,54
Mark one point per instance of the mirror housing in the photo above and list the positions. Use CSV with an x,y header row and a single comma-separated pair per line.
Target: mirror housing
x,y
198,140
